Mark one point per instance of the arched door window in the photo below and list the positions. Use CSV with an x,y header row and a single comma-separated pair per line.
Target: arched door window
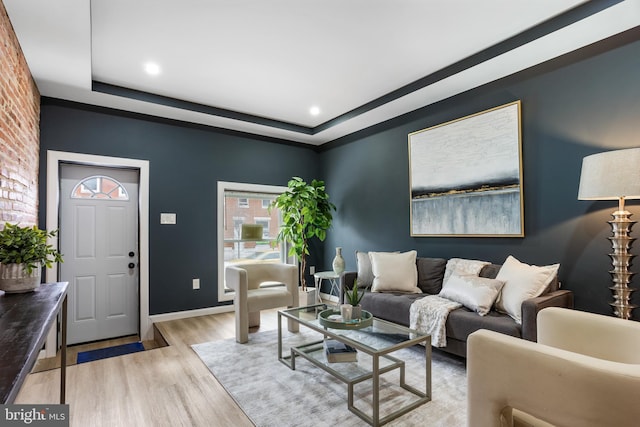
x,y
99,187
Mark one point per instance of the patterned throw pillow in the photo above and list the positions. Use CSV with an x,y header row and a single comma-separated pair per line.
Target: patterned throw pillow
x,y
463,267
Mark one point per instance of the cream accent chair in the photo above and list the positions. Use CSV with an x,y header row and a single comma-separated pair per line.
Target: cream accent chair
x,y
256,288
583,371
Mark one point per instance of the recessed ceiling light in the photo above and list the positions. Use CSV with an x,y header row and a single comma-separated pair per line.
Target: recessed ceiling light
x,y
152,68
314,111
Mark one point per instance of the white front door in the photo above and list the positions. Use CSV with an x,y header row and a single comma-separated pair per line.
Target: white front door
x,y
99,240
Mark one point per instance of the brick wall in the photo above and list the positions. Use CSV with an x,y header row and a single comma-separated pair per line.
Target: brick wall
x,y
19,131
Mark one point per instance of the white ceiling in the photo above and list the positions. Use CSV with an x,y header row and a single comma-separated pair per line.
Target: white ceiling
x,y
275,59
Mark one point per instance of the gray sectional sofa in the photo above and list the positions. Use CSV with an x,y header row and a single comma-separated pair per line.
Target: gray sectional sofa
x,y
461,322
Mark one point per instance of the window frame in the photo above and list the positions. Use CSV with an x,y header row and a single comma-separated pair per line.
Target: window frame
x,y
225,186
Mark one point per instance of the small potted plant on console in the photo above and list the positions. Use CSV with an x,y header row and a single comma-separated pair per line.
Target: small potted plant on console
x,y
23,252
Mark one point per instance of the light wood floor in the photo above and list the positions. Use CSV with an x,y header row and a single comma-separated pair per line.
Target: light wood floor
x,y
73,350
166,386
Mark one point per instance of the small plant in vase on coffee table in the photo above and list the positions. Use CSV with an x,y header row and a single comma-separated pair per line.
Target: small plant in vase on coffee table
x,y
353,297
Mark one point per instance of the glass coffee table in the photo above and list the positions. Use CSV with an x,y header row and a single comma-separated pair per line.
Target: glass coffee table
x,y
377,341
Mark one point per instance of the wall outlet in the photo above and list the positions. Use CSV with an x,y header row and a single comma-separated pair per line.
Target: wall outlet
x,y
312,270
196,283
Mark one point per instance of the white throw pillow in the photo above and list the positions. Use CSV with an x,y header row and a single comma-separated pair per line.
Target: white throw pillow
x,y
475,293
462,267
522,281
394,272
365,275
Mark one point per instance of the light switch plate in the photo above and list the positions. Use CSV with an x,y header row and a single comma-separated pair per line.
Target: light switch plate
x,y
167,218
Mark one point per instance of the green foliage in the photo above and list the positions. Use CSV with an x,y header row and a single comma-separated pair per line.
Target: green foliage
x,y
27,245
306,213
354,295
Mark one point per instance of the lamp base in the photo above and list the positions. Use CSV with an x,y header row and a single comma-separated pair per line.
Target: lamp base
x,y
621,308
621,261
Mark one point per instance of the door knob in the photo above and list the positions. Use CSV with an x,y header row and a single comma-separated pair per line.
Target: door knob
x,y
132,254
131,265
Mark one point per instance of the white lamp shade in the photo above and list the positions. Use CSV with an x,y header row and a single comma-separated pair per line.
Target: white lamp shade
x,y
611,175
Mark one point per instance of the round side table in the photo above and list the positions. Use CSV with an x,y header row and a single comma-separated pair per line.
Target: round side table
x,y
333,280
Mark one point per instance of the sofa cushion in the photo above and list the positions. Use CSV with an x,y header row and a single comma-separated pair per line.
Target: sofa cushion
x,y
430,274
393,307
490,271
522,281
462,322
394,272
474,292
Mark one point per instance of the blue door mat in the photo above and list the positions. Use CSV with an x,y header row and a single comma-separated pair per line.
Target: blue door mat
x,y
104,353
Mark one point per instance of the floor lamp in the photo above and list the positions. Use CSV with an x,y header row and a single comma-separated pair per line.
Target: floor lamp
x,y
615,175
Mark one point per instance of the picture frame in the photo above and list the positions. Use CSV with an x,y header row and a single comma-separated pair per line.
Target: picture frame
x,y
465,176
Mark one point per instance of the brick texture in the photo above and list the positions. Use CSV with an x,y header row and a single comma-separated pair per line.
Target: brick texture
x,y
19,131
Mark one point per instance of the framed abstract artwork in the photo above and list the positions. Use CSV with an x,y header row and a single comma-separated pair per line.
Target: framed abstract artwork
x,y
465,176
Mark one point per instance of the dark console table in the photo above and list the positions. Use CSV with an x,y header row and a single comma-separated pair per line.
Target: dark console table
x,y
25,320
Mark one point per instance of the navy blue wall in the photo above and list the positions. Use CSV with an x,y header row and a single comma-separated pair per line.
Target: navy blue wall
x,y
584,103
185,165
568,111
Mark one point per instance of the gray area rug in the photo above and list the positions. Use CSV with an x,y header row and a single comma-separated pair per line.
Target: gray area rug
x,y
271,394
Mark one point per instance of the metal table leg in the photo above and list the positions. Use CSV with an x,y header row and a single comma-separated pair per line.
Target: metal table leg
x,y
63,352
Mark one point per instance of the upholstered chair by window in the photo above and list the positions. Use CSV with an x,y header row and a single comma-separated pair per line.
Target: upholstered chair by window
x,y
258,287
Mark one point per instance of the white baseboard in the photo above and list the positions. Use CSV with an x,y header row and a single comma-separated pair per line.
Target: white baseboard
x,y
211,310
329,297
190,313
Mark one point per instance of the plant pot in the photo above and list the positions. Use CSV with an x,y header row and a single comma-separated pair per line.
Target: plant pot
x,y
307,297
14,279
356,312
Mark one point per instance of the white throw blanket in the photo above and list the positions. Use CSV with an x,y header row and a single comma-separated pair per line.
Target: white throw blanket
x,y
429,315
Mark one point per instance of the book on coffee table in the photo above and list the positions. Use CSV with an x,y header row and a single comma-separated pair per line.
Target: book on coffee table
x,y
337,351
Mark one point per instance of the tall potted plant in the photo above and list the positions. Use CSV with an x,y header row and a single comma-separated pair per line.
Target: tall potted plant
x,y
23,252
306,213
